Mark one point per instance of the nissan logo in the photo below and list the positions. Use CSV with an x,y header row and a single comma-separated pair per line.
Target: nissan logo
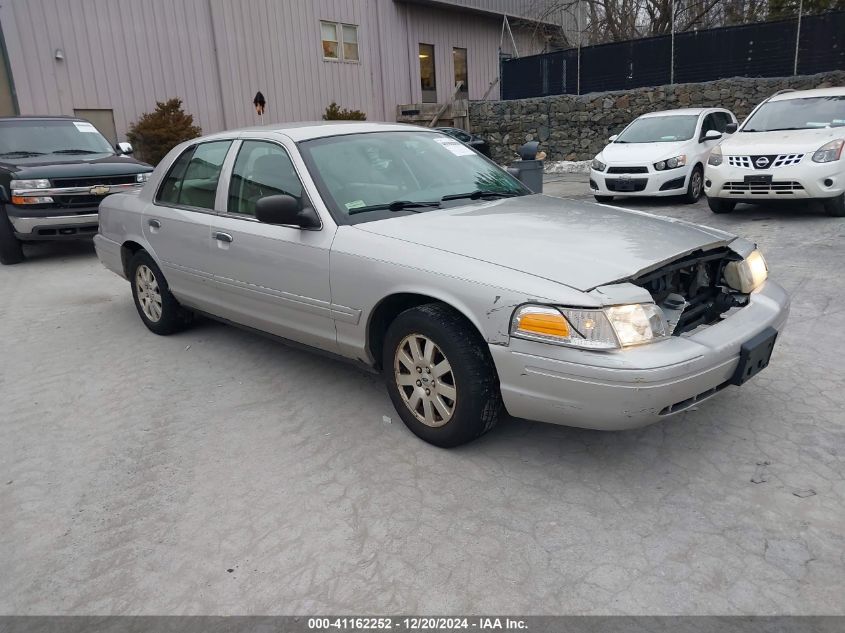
x,y
761,162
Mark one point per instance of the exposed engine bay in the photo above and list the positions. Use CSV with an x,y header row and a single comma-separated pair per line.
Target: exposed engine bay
x,y
692,290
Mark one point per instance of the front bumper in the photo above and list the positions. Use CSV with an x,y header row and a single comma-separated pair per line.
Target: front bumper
x,y
636,386
55,224
806,180
669,182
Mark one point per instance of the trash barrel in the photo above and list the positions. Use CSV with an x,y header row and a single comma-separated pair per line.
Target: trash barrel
x,y
529,169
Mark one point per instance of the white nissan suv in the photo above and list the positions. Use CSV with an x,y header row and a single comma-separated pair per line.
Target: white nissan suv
x,y
790,146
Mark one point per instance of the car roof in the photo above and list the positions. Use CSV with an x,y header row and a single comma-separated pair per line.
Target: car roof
x,y
306,130
41,117
806,94
681,111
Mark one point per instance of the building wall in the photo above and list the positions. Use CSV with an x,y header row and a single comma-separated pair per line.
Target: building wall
x,y
216,54
118,55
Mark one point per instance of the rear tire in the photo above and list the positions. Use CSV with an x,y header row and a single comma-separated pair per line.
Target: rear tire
x,y
11,251
156,306
717,205
835,207
695,186
603,198
440,376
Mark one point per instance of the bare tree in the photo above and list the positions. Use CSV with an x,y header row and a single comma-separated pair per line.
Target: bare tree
x,y
617,20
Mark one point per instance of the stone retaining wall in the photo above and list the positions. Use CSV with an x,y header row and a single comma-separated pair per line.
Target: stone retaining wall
x,y
573,127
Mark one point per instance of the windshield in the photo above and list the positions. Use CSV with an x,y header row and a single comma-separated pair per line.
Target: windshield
x,y
797,114
660,129
33,137
357,172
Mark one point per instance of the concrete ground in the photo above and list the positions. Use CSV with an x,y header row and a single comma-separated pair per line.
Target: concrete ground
x,y
215,472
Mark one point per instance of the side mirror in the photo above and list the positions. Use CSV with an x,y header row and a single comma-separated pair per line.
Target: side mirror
x,y
125,148
284,209
730,128
613,138
711,135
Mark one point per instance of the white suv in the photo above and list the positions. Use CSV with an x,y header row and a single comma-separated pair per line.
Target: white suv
x,y
790,146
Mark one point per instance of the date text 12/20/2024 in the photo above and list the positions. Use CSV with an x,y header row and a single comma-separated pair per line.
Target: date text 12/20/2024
x,y
416,624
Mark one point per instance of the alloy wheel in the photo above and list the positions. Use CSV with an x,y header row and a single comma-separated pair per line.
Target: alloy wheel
x,y
425,380
149,293
696,184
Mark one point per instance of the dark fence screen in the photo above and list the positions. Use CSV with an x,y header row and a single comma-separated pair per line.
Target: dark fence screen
x,y
764,49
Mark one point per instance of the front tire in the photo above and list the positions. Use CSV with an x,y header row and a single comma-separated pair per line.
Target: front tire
x,y
603,198
11,251
718,205
156,306
695,186
835,207
440,376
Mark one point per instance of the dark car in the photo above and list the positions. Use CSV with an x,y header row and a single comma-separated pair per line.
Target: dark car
x,y
475,142
54,171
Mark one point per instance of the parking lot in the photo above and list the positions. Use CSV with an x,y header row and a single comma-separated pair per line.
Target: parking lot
x,y
216,472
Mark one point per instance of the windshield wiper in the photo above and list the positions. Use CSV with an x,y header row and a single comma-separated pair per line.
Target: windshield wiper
x,y
478,194
77,151
396,205
22,152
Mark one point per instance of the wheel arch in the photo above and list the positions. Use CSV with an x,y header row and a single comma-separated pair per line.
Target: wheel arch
x,y
127,251
392,305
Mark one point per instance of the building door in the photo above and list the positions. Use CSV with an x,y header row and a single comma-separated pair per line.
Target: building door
x,y
428,81
103,120
459,61
7,98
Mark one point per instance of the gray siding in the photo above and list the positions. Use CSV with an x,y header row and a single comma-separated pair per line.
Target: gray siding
x,y
216,54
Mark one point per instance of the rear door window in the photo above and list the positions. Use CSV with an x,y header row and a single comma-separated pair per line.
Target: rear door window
x,y
192,180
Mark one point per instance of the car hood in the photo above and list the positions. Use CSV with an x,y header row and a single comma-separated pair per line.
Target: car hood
x,y
784,142
640,153
579,244
73,166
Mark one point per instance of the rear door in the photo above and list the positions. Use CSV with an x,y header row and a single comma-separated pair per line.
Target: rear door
x,y
273,278
178,223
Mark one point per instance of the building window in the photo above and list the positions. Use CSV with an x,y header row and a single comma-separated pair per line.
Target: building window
x,y
340,41
459,60
350,42
428,80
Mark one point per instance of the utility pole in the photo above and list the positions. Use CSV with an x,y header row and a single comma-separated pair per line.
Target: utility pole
x,y
578,22
798,36
672,53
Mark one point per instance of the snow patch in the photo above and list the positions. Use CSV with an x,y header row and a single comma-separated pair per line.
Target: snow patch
x,y
567,167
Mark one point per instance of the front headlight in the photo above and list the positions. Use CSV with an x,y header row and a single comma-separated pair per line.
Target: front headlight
x,y
748,274
40,183
142,177
715,158
829,152
598,165
671,163
596,329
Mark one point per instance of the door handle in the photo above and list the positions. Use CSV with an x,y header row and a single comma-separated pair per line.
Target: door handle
x,y
223,237
154,224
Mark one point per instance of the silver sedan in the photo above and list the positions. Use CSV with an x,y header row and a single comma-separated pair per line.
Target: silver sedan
x,y
405,250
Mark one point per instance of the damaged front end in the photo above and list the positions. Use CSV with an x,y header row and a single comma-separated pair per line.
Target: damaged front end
x,y
693,291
